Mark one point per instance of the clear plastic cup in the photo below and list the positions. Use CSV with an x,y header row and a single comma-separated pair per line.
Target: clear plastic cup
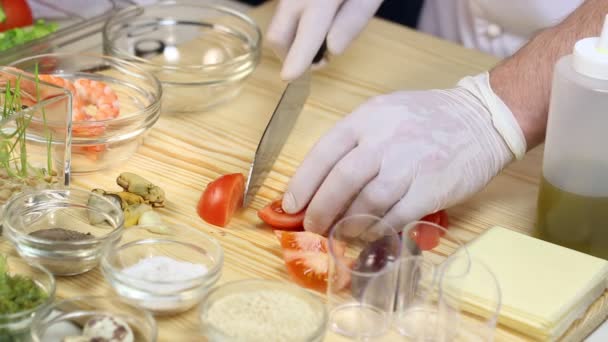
x,y
426,249
363,276
469,300
416,303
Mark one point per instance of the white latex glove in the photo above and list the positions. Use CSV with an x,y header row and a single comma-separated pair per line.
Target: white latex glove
x,y
407,154
299,27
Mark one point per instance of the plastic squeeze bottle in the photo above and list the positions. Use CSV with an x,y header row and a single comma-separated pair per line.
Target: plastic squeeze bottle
x,y
573,199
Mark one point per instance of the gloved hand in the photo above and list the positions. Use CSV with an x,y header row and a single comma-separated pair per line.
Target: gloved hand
x,y
407,154
299,27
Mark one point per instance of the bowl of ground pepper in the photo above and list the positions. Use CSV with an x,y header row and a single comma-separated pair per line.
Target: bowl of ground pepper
x,y
66,231
25,292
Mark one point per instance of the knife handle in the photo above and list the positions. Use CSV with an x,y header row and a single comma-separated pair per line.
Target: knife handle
x,y
321,53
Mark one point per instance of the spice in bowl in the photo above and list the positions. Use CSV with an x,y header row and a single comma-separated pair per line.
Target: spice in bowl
x,y
261,310
152,274
24,291
61,234
18,293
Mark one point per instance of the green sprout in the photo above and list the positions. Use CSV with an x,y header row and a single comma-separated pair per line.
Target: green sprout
x,y
13,145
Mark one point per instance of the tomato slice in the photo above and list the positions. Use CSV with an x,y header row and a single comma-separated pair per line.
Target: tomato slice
x,y
18,14
221,198
427,236
274,216
439,218
307,260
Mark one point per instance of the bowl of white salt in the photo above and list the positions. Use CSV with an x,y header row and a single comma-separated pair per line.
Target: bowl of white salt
x,y
164,274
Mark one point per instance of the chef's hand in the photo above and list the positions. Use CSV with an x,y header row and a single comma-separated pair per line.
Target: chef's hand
x,y
299,27
407,154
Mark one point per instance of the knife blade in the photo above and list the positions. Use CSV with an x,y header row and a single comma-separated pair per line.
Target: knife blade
x,y
278,129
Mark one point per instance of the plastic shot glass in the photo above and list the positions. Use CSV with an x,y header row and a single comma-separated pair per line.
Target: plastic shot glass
x,y
363,276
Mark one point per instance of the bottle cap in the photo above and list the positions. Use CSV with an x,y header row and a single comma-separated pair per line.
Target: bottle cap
x,y
591,55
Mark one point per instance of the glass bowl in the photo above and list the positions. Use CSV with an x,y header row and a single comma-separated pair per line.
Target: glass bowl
x,y
68,317
262,310
144,268
201,53
108,123
79,211
16,326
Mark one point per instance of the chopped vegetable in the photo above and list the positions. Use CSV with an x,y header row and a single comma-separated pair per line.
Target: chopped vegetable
x,y
307,259
274,216
19,35
18,293
221,198
153,222
138,185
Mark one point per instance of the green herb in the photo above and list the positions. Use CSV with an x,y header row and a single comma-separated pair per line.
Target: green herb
x,y
22,35
13,145
18,293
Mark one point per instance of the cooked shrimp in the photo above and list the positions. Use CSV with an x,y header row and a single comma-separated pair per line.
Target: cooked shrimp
x,y
98,94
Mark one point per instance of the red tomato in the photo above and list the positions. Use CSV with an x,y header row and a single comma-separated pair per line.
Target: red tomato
x,y
307,259
18,14
221,199
274,216
426,236
439,218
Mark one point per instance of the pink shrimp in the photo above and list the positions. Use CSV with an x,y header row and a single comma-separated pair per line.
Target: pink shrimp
x,y
98,94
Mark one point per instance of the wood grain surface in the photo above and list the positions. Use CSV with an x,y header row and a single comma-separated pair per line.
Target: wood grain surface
x,y
182,153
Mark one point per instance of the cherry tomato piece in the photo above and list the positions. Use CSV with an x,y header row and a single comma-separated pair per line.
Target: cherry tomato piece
x,y
221,198
274,216
18,14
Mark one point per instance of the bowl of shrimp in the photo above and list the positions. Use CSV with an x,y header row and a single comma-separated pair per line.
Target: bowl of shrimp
x,y
113,104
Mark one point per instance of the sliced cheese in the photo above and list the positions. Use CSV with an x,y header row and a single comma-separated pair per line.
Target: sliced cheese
x,y
545,287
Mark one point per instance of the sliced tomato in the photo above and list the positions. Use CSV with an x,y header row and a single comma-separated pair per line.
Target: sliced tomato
x,y
426,236
307,260
274,216
18,14
221,198
439,218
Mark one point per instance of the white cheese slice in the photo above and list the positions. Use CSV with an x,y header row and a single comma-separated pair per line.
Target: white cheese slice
x,y
545,287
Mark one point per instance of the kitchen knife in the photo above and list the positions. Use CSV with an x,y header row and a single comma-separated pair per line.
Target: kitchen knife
x,y
278,129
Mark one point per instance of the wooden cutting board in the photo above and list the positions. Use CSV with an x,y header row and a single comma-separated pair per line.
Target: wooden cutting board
x,y
182,153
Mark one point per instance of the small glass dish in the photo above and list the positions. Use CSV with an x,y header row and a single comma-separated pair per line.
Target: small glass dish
x,y
201,53
68,317
106,137
262,310
16,326
165,274
78,211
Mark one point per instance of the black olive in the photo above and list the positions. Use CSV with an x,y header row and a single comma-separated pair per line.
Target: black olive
x,y
374,258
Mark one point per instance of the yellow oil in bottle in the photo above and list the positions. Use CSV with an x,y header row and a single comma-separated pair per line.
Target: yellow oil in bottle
x,y
571,220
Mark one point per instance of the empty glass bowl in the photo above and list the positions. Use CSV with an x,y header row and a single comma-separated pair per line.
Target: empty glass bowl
x,y
201,53
71,317
16,326
165,274
108,123
66,231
